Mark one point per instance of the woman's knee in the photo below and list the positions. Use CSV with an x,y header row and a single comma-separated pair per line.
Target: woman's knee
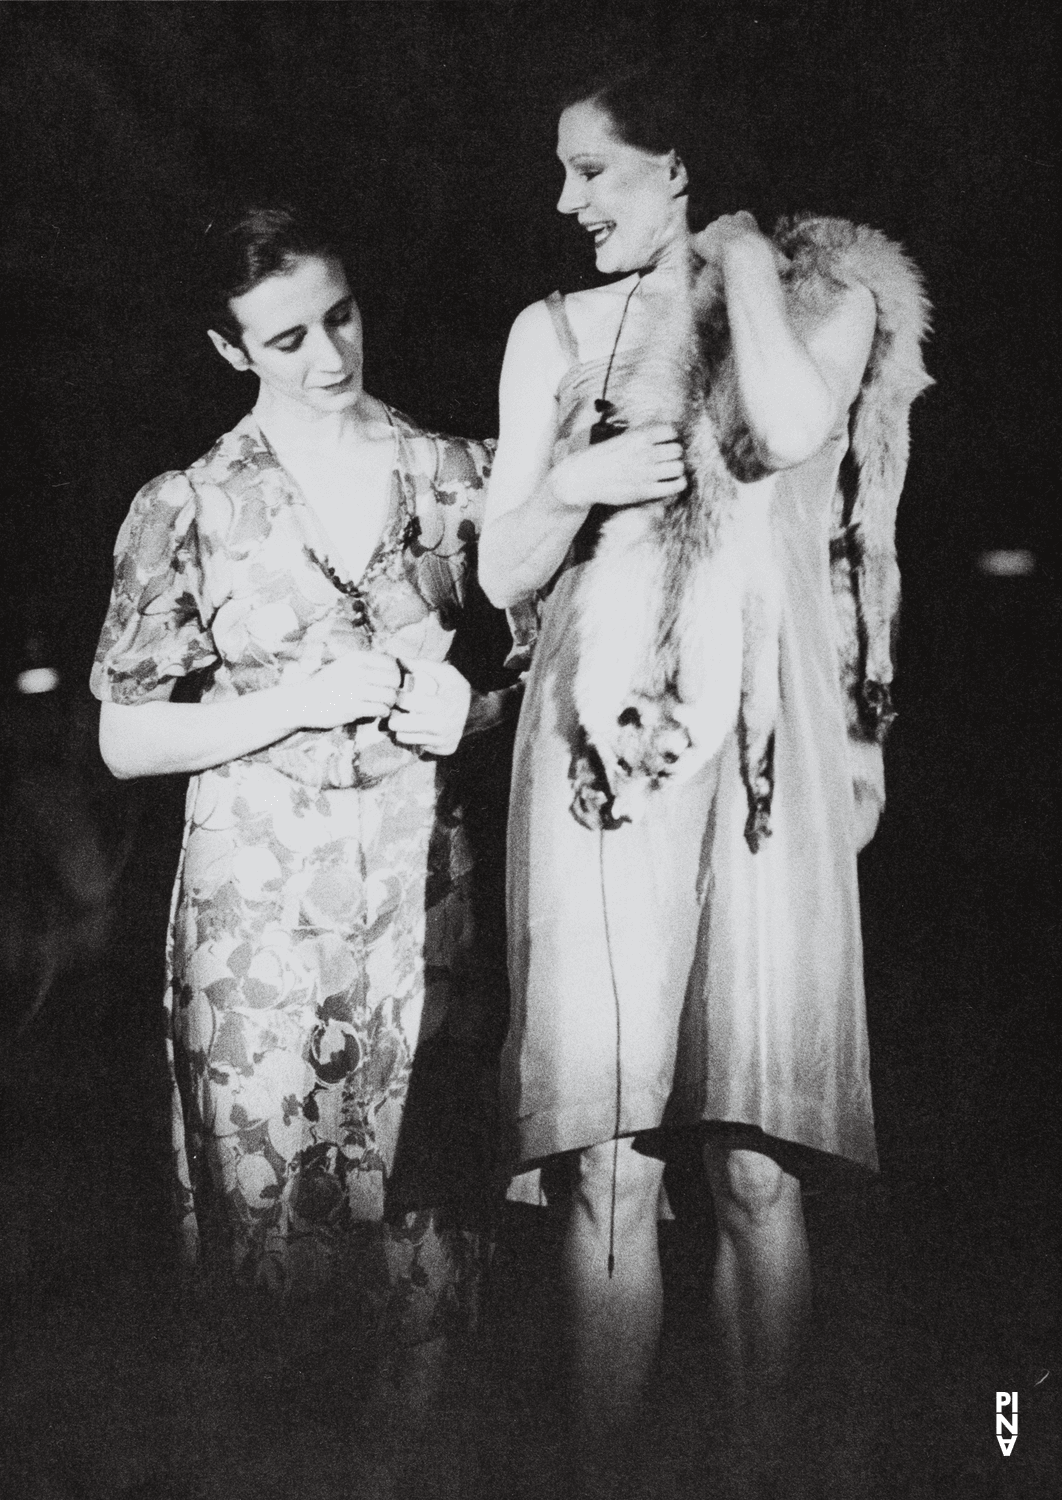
x,y
602,1174
749,1183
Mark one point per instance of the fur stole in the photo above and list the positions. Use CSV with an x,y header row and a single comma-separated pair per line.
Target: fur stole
x,y
678,607
864,572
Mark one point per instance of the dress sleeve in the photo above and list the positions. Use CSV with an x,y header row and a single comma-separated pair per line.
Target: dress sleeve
x,y
155,630
450,510
460,485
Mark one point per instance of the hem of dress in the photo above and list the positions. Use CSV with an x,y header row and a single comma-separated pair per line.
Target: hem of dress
x,y
781,1126
554,1132
549,1133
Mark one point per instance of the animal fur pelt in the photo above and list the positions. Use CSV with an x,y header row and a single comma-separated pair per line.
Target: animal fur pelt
x,y
678,608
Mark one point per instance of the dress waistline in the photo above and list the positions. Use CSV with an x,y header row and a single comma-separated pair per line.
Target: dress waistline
x,y
331,760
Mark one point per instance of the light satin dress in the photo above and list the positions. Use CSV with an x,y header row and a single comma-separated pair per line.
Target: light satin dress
x,y
661,973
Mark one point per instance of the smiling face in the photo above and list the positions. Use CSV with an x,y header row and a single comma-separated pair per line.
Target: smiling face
x,y
301,336
631,201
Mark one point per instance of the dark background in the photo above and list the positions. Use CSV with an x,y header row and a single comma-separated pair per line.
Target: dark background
x,y
427,130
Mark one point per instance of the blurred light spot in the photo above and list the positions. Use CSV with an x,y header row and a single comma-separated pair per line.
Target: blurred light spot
x,y
37,680
1007,562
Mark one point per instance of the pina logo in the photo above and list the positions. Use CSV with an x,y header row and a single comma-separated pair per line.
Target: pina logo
x,y
1010,1424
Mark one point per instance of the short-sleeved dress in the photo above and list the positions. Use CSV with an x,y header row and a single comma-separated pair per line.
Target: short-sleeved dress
x,y
320,921
661,974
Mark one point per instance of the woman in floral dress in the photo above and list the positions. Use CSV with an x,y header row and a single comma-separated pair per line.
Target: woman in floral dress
x,y
311,567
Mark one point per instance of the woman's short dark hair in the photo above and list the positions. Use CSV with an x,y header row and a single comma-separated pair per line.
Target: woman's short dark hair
x,y
663,106
247,245
648,106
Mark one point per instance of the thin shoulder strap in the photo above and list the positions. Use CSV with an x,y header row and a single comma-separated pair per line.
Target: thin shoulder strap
x,y
565,336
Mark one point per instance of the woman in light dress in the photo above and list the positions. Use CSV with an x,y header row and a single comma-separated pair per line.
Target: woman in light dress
x,y
663,976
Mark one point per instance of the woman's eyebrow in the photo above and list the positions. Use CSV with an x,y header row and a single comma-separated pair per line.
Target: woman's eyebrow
x,y
286,333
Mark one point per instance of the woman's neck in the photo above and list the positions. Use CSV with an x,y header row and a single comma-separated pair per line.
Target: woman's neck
x,y
676,249
292,426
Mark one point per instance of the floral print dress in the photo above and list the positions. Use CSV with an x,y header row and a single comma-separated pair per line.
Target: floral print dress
x,y
320,923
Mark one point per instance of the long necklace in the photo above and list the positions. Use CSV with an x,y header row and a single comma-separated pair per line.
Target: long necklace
x,y
605,427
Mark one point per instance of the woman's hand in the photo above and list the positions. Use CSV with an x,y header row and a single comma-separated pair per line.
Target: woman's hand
x,y
738,232
360,685
534,506
642,464
161,738
432,707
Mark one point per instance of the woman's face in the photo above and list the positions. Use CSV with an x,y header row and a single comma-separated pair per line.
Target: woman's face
x,y
631,201
301,337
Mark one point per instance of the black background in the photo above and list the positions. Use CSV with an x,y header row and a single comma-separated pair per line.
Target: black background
x,y
427,130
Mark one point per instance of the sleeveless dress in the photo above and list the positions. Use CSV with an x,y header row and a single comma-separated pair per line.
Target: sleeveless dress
x,y
320,936
661,974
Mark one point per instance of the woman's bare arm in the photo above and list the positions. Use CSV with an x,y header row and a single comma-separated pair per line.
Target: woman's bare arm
x,y
526,529
162,738
795,385
533,509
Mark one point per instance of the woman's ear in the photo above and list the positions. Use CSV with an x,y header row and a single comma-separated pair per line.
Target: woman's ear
x,y
231,353
680,180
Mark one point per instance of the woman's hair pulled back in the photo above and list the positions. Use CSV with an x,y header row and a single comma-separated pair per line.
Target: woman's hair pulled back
x,y
663,105
648,106
245,246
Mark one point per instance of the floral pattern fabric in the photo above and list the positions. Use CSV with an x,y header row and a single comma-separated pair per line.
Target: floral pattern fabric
x,y
320,932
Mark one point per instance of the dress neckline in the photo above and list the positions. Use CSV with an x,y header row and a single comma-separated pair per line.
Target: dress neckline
x,y
325,554
593,369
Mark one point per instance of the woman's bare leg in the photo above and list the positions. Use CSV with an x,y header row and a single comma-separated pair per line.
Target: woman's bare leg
x,y
613,1322
761,1290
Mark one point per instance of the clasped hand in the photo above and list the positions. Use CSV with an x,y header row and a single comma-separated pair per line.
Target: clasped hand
x,y
740,232
642,464
432,707
425,706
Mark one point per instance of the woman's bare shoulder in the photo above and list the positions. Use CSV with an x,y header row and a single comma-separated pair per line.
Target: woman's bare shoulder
x,y
534,350
532,325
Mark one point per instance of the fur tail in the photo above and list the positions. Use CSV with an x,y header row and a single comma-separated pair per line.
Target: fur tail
x,y
827,251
